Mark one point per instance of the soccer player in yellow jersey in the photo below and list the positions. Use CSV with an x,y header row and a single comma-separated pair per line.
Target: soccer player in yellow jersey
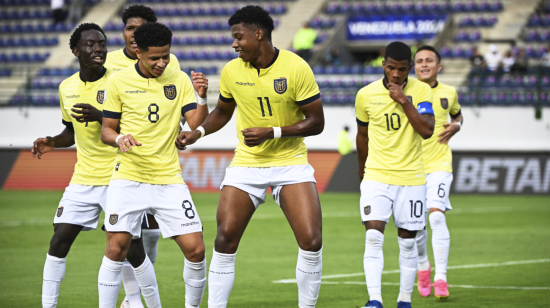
x,y
133,17
393,114
278,104
146,100
438,159
81,97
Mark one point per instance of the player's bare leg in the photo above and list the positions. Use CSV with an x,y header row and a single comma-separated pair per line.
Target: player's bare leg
x,y
301,206
235,210
441,242
194,270
54,268
373,259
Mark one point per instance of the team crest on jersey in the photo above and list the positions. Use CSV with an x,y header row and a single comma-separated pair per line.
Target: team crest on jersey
x,y
100,96
410,98
170,91
113,219
280,85
367,210
444,103
59,211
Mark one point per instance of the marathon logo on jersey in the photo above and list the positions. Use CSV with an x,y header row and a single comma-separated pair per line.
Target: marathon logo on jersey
x,y
444,103
116,166
367,210
113,219
410,98
170,91
100,96
59,211
280,85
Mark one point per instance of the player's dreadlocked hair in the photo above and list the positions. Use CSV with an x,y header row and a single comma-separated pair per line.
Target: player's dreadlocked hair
x,y
77,34
152,34
253,15
398,51
139,10
430,48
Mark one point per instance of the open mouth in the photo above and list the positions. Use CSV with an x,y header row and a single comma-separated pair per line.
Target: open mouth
x,y
133,44
240,52
424,71
98,59
158,71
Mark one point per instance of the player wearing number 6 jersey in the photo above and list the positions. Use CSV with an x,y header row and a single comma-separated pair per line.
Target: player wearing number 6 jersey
x,y
278,104
147,100
393,114
437,158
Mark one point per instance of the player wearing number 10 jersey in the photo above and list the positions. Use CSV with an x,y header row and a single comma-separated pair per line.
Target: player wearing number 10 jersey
x,y
393,114
147,100
278,104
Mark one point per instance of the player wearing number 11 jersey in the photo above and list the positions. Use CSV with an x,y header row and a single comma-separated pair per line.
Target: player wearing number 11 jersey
x,y
393,114
278,104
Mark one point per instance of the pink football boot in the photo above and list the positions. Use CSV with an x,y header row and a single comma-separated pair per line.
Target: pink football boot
x,y
441,291
424,282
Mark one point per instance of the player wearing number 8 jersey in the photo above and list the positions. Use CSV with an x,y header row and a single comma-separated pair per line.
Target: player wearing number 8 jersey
x,y
278,104
437,158
147,100
393,114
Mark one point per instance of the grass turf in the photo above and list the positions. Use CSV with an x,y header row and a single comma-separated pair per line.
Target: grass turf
x,y
484,229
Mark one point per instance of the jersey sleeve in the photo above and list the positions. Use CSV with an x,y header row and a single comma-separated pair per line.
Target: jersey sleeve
x,y
360,110
112,106
225,92
307,90
455,105
188,101
65,116
425,100
174,62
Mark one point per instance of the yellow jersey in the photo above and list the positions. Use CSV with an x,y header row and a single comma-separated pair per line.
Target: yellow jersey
x,y
95,159
149,109
395,148
269,97
438,156
118,60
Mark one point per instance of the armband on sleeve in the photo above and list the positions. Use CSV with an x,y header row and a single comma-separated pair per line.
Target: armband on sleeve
x,y
425,108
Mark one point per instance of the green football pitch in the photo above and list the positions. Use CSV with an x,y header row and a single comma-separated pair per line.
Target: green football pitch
x,y
500,255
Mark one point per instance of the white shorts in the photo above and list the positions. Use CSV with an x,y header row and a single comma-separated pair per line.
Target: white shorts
x,y
81,205
255,181
171,205
379,200
437,194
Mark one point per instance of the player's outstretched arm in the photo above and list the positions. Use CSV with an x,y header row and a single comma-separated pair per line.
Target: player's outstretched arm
x,y
362,143
423,124
86,113
44,145
110,136
312,124
451,129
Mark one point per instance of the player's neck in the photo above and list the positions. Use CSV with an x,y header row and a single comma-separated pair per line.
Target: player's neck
x,y
265,57
90,75
129,54
144,71
431,82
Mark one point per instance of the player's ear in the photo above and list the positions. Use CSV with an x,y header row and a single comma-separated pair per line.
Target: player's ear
x,y
76,52
259,34
439,67
384,63
138,53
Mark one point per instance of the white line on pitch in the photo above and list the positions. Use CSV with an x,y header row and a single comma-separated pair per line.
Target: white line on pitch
x,y
454,285
448,267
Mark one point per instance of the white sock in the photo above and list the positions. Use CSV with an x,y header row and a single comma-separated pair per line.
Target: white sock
x,y
373,263
421,240
54,271
145,274
441,241
151,243
131,285
308,276
220,279
194,276
108,282
408,263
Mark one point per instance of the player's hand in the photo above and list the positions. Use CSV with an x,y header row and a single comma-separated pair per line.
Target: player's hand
x,y
186,138
396,92
450,130
125,143
361,173
86,113
257,135
200,83
42,146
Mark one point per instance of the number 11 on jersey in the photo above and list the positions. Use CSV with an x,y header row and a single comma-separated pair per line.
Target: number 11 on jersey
x,y
262,106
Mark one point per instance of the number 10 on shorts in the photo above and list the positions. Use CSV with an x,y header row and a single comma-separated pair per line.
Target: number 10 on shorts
x,y
415,207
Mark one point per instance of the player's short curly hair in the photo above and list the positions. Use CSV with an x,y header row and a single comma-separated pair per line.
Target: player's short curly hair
x,y
152,34
139,10
255,16
398,51
77,33
429,48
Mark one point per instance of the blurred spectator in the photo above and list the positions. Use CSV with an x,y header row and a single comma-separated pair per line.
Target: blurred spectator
x,y
345,145
57,11
333,57
378,61
75,11
493,58
414,48
545,59
507,61
477,59
521,62
304,40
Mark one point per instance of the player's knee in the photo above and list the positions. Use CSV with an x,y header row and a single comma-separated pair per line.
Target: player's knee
x,y
313,243
136,255
374,238
196,254
225,242
437,219
115,253
406,243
